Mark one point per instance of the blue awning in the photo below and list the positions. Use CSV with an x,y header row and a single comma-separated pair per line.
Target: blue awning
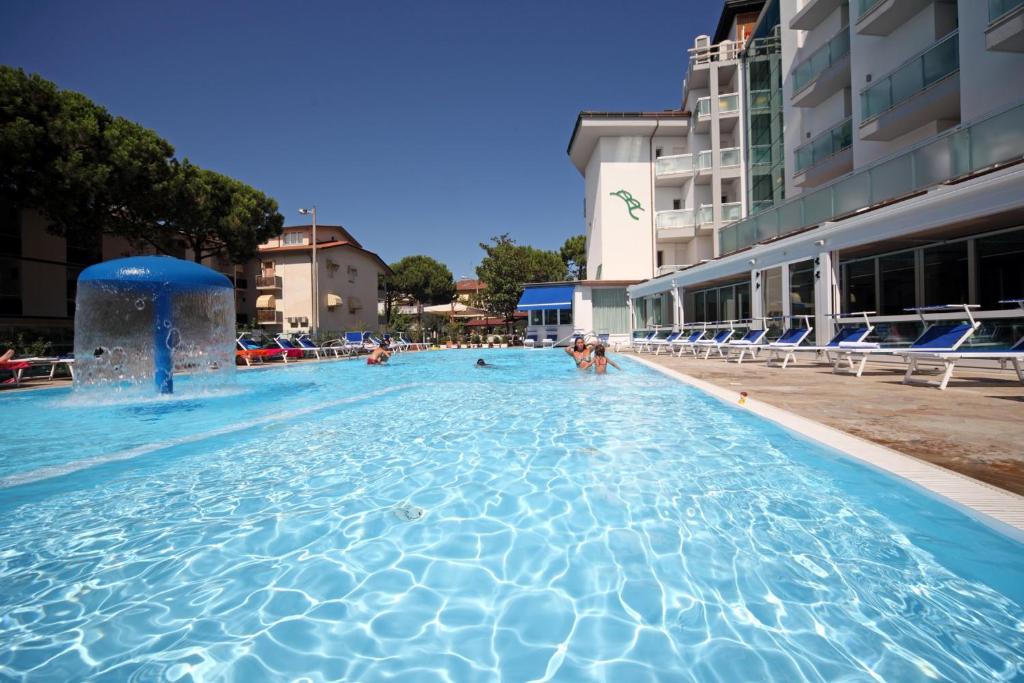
x,y
546,298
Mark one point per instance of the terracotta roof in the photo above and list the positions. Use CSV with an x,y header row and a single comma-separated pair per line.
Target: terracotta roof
x,y
327,245
469,285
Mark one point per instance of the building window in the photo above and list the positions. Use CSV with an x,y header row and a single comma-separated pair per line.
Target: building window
x,y
661,258
1000,269
711,306
565,316
10,287
677,204
611,312
727,303
536,318
946,275
697,308
551,317
10,230
801,288
293,238
743,301
859,286
771,287
658,151
896,283
352,273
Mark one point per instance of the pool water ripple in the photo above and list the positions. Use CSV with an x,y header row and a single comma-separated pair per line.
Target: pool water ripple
x,y
621,528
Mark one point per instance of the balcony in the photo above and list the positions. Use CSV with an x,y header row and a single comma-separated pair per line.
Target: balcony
x,y
824,73
705,218
760,100
268,282
732,212
827,156
882,17
813,13
268,316
957,152
925,89
671,170
728,111
676,226
1005,30
729,157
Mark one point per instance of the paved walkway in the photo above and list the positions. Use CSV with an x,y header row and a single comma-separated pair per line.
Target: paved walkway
x,y
975,427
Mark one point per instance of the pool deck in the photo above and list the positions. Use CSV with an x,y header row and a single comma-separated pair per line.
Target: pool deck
x,y
975,427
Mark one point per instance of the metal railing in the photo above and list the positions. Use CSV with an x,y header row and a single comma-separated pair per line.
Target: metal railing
x,y
677,218
832,141
671,165
268,282
807,71
937,62
997,8
727,104
997,138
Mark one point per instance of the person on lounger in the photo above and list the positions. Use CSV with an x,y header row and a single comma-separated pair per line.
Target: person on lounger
x,y
379,355
7,355
601,361
580,353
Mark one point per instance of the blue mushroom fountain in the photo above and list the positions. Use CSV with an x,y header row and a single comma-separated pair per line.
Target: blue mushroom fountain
x,y
139,319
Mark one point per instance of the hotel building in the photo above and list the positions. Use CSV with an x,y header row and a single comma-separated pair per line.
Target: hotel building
x,y
840,164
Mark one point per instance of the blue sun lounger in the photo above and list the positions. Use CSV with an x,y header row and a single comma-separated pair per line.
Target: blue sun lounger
x,y
848,336
714,344
688,343
938,337
659,343
288,345
750,342
636,343
1014,356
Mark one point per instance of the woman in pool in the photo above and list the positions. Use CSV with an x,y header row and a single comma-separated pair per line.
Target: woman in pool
x,y
601,361
580,353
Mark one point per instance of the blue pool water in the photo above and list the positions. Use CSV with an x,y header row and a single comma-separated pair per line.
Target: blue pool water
x,y
431,521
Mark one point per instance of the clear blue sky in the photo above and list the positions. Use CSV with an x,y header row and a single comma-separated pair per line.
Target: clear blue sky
x,y
423,127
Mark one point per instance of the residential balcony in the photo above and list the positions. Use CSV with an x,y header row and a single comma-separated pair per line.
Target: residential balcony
x,y
924,89
963,150
1006,25
813,13
825,72
827,156
676,226
728,112
732,212
703,56
268,282
882,17
729,161
268,316
674,169
705,219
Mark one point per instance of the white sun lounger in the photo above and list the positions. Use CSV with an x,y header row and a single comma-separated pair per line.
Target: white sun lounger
x,y
714,344
750,342
1013,356
686,343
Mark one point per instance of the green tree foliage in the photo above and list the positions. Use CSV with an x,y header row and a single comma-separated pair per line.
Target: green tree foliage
x,y
508,266
88,172
574,256
422,279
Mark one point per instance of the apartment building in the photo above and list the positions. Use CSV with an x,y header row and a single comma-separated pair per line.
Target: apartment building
x,y
899,184
344,282
39,277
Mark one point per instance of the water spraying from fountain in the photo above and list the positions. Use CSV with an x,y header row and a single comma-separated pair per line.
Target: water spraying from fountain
x,y
140,319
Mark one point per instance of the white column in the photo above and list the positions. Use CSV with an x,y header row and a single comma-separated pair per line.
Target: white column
x,y
826,295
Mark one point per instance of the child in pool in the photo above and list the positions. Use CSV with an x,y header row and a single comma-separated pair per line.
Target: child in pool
x,y
601,361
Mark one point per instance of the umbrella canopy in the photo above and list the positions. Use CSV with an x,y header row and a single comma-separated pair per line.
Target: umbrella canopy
x,y
456,309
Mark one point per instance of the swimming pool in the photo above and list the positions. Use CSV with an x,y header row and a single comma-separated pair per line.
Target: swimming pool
x,y
433,521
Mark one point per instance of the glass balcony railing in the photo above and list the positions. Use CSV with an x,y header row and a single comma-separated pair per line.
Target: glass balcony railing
x,y
727,104
997,8
760,154
865,6
728,157
704,160
705,214
966,149
732,212
762,99
679,218
825,145
673,165
807,71
934,64
761,205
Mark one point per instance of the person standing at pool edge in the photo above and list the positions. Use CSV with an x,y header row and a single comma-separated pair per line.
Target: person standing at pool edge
x,y
580,353
601,361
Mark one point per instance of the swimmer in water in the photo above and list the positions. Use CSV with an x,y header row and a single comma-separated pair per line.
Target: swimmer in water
x,y
601,361
481,363
379,355
580,353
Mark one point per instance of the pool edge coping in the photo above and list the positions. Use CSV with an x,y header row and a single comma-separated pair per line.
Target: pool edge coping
x,y
992,503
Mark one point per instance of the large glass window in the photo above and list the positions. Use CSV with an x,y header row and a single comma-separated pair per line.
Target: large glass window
x,y
565,316
801,288
611,313
946,275
859,286
771,286
711,306
551,317
697,307
10,287
743,301
536,317
1000,268
896,283
640,312
727,303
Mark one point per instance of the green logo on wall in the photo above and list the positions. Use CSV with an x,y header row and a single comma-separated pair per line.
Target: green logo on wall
x,y
631,204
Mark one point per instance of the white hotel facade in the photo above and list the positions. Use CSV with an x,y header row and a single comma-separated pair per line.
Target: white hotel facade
x,y
829,157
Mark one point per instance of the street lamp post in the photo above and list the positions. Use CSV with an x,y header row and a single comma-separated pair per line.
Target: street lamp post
x,y
315,319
